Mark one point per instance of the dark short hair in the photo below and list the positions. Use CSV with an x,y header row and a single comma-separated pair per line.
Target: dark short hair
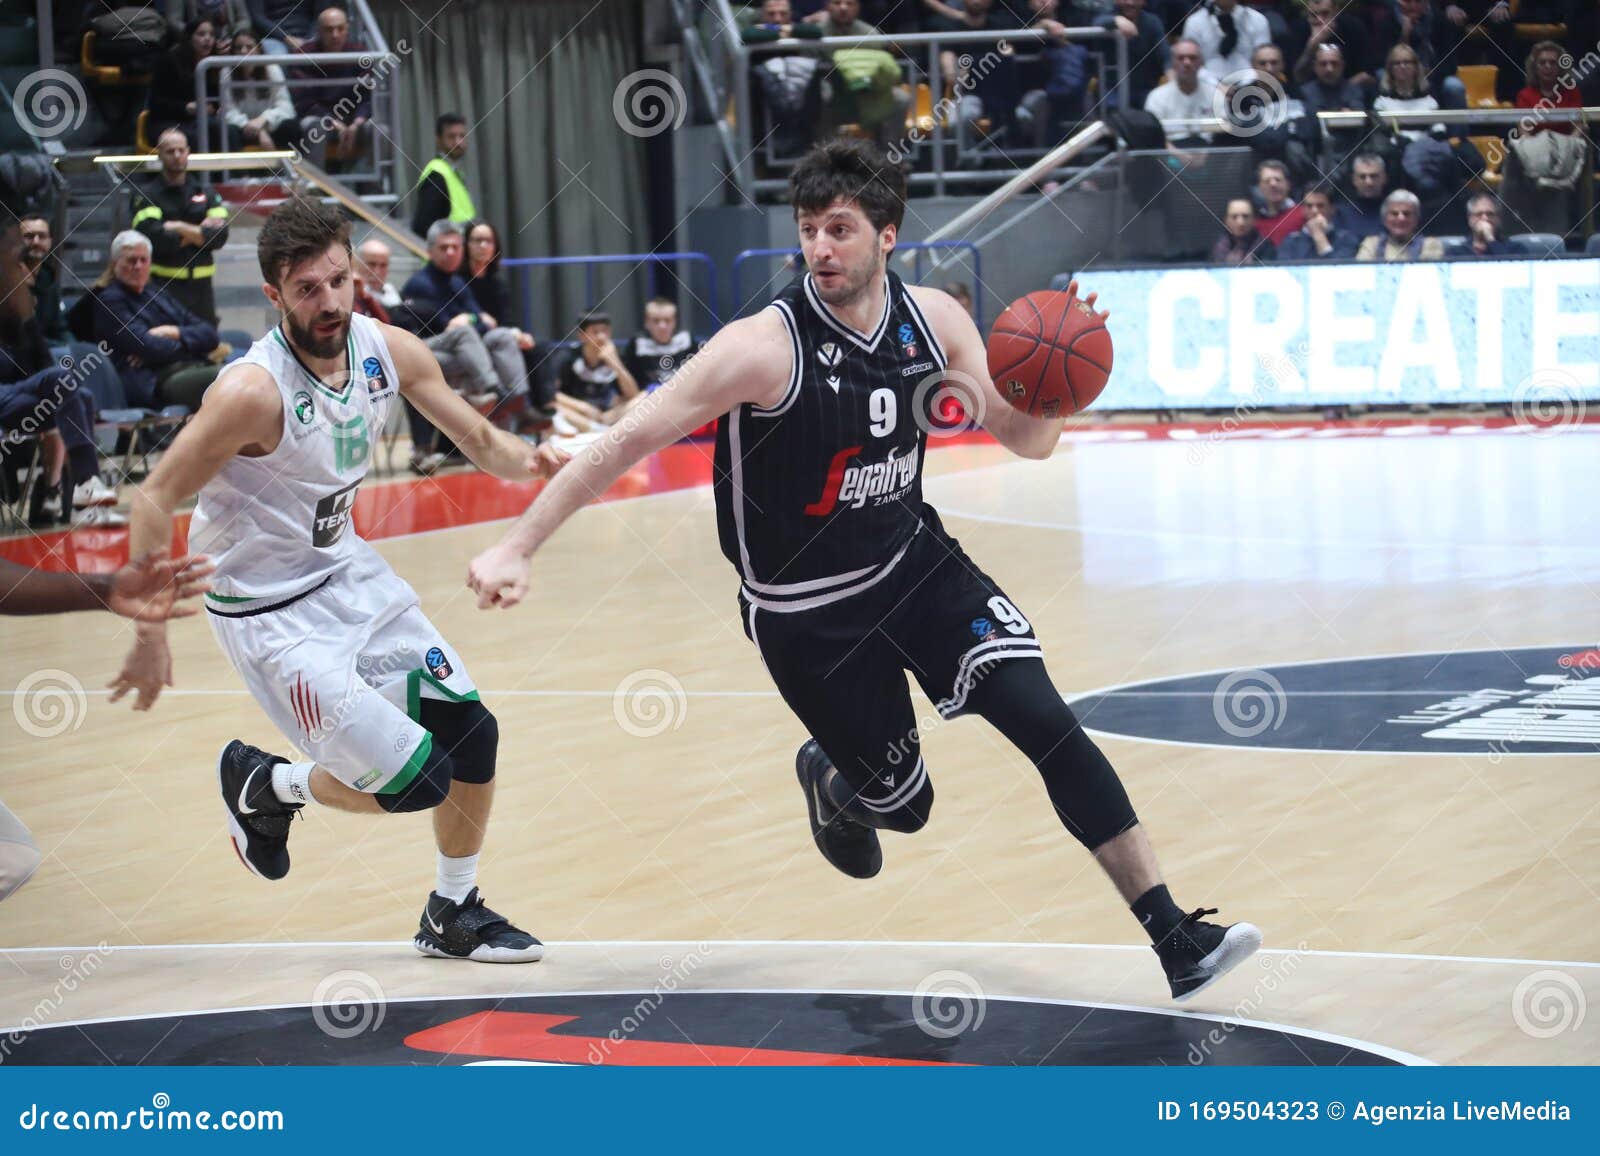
x,y
661,301
446,119
592,317
299,229
852,170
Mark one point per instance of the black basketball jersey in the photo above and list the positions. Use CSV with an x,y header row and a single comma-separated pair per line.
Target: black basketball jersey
x,y
820,495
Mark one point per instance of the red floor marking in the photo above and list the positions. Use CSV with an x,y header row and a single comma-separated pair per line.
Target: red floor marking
x,y
527,1036
389,509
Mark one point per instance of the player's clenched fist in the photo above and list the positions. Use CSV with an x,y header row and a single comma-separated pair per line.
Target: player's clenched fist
x,y
499,577
545,460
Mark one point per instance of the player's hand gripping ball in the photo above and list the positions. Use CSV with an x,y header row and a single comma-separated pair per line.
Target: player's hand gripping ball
x,y
1050,353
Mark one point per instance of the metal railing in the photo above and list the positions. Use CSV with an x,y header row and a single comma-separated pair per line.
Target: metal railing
x,y
935,136
524,267
375,61
913,251
290,165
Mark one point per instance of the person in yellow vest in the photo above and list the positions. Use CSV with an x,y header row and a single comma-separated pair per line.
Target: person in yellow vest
x,y
186,224
441,193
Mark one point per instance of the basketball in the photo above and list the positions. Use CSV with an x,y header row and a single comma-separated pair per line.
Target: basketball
x,y
1050,354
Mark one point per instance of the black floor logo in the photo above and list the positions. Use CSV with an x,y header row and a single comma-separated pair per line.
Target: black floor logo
x,y
1529,701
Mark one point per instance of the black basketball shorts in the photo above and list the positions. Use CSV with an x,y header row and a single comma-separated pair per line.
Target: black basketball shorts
x,y
842,667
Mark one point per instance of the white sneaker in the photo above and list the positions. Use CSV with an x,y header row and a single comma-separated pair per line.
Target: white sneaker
x,y
93,492
98,516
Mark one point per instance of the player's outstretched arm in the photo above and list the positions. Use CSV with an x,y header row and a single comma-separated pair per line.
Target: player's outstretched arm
x,y
749,361
494,451
242,412
1025,436
152,588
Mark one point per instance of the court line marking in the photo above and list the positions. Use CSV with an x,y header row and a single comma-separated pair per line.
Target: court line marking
x,y
1007,945
1401,1057
1233,540
1268,667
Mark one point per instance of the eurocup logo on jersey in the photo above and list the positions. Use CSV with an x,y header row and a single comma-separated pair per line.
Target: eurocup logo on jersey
x,y
438,664
373,368
908,340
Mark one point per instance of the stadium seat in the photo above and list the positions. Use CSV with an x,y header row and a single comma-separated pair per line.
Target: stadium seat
x,y
141,132
1455,246
1539,244
106,74
1060,281
1591,247
1480,83
1525,30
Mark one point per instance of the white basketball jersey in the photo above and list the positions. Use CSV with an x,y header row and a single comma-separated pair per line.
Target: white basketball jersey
x,y
279,525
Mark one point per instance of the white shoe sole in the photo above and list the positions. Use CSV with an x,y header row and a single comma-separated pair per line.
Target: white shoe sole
x,y
1239,943
484,953
235,832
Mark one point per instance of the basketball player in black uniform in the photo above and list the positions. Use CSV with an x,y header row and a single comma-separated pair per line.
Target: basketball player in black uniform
x,y
848,577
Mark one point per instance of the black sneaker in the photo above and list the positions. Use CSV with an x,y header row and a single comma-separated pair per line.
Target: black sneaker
x,y
257,820
848,845
1196,954
469,930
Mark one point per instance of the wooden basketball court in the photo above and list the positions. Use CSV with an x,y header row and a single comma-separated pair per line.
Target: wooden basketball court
x,y
1431,905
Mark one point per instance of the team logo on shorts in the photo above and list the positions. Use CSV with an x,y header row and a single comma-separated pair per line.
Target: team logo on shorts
x,y
373,368
438,664
304,408
983,629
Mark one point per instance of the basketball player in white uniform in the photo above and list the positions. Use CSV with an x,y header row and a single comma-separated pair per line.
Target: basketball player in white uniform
x,y
330,641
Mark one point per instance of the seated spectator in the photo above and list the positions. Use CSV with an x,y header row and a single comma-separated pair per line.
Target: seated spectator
x,y
864,84
1227,33
1544,89
1062,77
1330,23
1369,185
261,110
1402,239
1241,242
1403,88
1437,169
1329,91
485,281
331,112
287,24
160,349
660,351
1276,214
372,273
171,98
1322,237
595,387
789,85
38,398
1437,39
1274,122
39,251
995,92
1148,54
128,38
1188,95
1483,228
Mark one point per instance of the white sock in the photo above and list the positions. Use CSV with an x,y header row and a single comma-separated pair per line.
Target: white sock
x,y
457,877
291,782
